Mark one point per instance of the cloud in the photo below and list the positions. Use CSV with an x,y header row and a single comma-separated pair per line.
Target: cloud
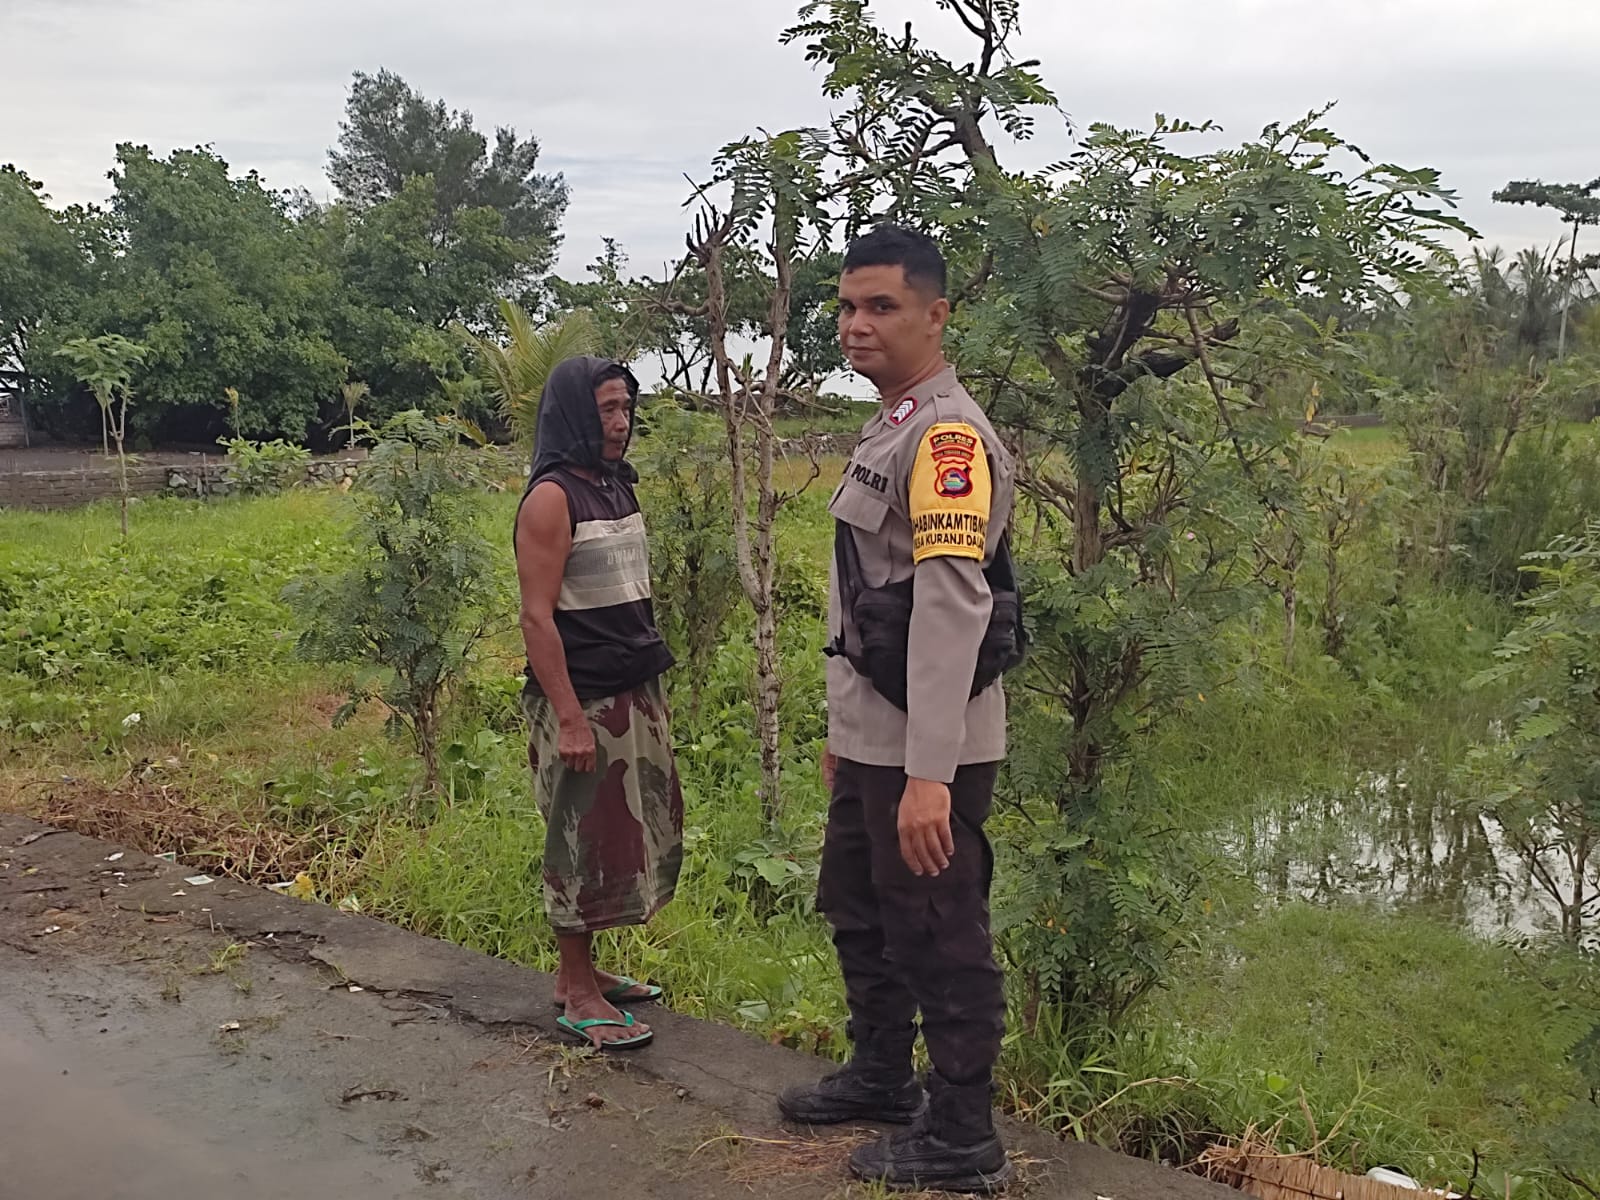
x,y
627,96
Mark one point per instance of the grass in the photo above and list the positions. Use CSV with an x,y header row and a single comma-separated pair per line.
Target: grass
x,y
1378,444
1429,1043
1412,1044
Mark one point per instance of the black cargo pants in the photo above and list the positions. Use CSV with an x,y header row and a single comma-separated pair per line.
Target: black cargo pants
x,y
909,942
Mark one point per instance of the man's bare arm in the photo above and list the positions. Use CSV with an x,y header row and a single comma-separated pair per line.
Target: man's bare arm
x,y
544,540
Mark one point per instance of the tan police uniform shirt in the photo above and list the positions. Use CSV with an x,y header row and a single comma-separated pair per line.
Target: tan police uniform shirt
x,y
926,494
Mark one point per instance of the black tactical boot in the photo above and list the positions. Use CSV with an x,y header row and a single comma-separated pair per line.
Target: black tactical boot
x,y
952,1147
876,1085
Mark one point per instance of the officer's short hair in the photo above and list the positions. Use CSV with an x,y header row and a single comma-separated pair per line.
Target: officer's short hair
x,y
915,253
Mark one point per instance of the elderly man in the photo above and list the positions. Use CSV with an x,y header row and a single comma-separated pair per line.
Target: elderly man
x,y
600,745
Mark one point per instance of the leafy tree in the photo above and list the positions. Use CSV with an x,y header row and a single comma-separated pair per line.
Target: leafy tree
x,y
392,135
1543,782
41,269
105,365
639,317
1350,504
212,275
773,221
684,467
813,334
1467,372
420,590
1128,314
404,288
1129,263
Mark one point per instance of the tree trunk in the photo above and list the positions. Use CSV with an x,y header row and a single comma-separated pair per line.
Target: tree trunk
x,y
428,743
119,430
1290,606
1291,598
1332,618
753,402
1441,532
769,687
1088,546
1566,293
122,485
1580,862
769,693
1088,551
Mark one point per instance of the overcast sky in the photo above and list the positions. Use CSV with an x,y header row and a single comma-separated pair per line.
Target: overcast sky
x,y
626,96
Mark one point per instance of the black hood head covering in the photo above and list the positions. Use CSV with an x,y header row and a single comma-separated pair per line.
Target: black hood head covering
x,y
569,431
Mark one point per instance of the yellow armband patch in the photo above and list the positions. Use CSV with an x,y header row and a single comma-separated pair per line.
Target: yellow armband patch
x,y
950,494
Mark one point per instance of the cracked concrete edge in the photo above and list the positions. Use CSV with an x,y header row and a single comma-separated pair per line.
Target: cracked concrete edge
x,y
717,1065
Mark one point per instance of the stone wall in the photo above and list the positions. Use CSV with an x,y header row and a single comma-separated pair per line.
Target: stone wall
x,y
216,478
65,488
69,489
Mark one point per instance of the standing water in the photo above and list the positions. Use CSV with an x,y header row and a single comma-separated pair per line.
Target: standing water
x,y
1415,847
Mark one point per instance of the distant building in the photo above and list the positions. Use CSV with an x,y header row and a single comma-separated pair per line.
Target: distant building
x,y
13,418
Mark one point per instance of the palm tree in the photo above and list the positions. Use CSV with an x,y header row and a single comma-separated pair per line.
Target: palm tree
x,y
352,394
515,372
1578,204
1520,300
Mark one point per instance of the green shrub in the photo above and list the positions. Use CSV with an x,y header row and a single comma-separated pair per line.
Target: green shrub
x,y
259,468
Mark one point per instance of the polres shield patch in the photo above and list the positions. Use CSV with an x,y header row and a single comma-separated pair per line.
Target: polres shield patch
x,y
950,494
955,482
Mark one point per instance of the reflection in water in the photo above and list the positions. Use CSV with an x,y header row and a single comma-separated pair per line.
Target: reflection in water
x,y
1407,843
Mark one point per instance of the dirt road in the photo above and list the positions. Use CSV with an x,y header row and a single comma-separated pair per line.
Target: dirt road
x,y
167,1039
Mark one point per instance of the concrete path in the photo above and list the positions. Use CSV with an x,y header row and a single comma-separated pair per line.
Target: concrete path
x,y
165,1039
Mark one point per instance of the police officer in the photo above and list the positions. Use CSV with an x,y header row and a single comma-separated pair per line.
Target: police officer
x,y
906,867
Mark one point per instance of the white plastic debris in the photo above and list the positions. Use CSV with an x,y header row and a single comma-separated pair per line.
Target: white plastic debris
x,y
228,1027
197,880
1390,1176
117,857
356,987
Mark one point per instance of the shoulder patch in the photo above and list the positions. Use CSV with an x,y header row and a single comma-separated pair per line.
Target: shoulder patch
x,y
903,410
950,493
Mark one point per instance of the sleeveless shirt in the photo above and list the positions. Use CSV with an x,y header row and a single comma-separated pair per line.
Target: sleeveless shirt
x,y
605,614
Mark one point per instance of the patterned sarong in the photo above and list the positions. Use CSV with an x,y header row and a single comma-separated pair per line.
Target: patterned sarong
x,y
613,836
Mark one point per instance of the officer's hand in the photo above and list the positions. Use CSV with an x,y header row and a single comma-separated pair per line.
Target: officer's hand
x,y
830,767
925,840
576,745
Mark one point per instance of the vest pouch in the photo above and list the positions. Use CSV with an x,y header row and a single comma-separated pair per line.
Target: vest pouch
x,y
882,620
883,623
1002,647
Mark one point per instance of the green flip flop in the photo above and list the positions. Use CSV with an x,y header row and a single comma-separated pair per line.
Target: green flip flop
x,y
576,1029
619,993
